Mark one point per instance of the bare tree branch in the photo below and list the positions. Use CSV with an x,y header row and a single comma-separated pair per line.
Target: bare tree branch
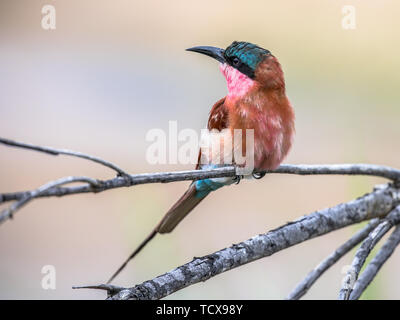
x,y
8,213
111,289
302,288
56,152
366,247
373,205
376,263
229,171
127,180
341,169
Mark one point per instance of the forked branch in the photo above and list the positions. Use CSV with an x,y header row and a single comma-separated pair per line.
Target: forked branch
x,y
375,206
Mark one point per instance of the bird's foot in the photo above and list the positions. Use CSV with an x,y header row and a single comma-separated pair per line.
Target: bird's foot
x,y
258,175
237,179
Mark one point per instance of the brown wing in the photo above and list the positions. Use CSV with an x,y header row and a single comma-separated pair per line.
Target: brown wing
x,y
218,119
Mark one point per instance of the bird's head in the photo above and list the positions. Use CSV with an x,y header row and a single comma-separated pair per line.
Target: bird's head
x,y
244,65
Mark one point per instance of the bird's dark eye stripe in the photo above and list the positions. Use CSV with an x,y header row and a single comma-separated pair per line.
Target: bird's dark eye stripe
x,y
241,66
234,61
245,69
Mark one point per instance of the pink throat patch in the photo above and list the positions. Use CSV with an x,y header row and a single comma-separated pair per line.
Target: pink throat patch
x,y
238,83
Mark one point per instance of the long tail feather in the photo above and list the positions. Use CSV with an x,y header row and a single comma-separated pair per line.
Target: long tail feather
x,y
134,253
179,210
171,219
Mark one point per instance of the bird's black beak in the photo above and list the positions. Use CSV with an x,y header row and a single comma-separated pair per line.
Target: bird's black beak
x,y
212,52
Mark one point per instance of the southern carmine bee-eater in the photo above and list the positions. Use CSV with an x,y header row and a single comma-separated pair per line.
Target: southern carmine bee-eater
x,y
256,100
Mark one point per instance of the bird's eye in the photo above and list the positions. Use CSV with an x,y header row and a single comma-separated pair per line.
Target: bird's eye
x,y
235,62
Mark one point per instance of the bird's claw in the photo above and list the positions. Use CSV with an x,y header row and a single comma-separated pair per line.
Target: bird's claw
x,y
237,179
258,175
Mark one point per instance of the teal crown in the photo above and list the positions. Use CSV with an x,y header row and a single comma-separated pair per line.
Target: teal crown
x,y
245,56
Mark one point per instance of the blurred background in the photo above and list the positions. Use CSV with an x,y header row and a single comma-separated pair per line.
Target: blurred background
x,y
113,70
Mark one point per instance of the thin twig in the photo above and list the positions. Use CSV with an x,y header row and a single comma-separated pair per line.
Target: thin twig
x,y
229,171
375,204
56,152
365,249
111,289
9,212
376,263
342,169
302,288
128,181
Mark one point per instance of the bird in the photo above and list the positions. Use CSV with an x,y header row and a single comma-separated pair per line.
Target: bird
x,y
256,100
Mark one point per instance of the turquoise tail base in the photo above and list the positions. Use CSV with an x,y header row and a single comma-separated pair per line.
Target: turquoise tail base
x,y
204,187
